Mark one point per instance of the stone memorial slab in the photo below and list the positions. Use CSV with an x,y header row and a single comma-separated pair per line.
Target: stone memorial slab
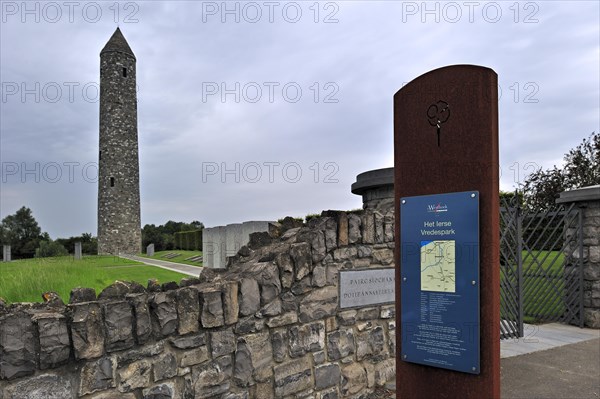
x,y
6,253
78,251
360,288
150,250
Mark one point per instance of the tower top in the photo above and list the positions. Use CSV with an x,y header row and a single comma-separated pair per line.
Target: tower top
x,y
117,43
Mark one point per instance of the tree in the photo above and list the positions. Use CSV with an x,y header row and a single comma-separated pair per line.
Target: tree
x,y
163,236
50,248
581,169
89,244
22,232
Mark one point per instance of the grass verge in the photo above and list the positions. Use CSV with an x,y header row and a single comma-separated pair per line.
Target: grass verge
x,y
25,280
181,258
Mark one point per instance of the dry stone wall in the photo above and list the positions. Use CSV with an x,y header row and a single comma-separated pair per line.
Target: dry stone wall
x,y
267,327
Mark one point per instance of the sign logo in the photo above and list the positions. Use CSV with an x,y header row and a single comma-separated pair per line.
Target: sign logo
x,y
437,208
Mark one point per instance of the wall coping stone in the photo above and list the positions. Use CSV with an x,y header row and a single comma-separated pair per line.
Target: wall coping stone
x,y
590,193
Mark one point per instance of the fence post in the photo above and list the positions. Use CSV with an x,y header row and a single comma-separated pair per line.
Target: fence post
x,y
519,221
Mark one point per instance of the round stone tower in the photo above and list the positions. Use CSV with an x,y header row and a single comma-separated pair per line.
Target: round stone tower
x,y
119,224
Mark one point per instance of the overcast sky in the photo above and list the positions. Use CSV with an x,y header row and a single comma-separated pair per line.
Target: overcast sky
x,y
258,110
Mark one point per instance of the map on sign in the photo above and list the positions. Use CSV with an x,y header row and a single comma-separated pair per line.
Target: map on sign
x,y
438,266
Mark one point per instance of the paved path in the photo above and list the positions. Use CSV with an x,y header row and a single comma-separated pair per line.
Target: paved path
x,y
551,361
568,371
545,336
175,267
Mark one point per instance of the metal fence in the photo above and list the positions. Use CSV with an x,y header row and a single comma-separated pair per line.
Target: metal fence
x,y
541,270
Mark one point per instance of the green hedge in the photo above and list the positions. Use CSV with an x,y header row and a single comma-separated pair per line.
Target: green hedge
x,y
189,240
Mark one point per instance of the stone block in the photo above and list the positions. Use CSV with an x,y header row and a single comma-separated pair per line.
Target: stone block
x,y
271,309
591,318
283,320
248,325
222,342
327,375
264,390
388,227
53,333
270,285
194,356
119,289
164,366
188,341
342,229
79,295
302,258
331,393
279,344
346,253
138,353
318,246
319,304
286,269
370,343
340,344
383,256
188,310
306,338
385,371
392,337
135,375
162,391
96,376
319,357
253,358
212,309
368,228
231,306
364,251
387,312
354,229
292,377
367,314
118,321
17,346
354,379
213,378
379,228
87,330
249,296
163,307
319,278
44,386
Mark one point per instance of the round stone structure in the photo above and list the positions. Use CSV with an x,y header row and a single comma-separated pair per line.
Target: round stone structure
x,y
376,187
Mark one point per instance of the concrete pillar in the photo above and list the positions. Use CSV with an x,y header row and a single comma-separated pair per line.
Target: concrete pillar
x,y
78,252
588,200
150,250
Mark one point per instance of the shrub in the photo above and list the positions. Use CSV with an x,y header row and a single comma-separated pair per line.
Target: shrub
x,y
50,248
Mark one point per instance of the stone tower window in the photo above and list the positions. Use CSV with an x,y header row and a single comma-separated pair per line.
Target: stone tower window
x,y
124,72
112,181
100,155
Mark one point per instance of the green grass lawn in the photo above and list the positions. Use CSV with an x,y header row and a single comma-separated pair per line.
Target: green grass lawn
x,y
179,259
25,280
542,299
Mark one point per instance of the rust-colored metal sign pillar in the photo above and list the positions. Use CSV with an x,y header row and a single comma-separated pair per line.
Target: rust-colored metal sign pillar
x,y
446,141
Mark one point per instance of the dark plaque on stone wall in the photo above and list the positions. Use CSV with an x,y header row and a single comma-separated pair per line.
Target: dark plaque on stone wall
x,y
446,141
440,280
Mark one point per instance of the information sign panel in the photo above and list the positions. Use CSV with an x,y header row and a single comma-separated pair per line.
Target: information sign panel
x,y
440,280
